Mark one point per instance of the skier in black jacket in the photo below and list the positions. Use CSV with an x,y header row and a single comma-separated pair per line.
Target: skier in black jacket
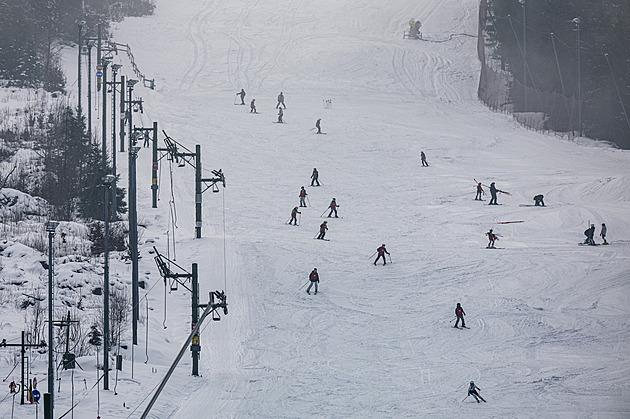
x,y
472,390
493,194
314,278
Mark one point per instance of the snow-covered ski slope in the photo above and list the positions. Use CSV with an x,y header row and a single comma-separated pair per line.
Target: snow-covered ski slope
x,y
548,319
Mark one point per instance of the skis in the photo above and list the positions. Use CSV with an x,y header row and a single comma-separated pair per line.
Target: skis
x,y
590,244
509,222
492,247
463,327
321,239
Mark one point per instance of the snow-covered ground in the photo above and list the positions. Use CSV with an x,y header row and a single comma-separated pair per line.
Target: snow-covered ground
x,y
548,319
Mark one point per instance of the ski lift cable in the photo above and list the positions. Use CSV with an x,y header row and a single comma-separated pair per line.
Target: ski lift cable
x,y
617,89
564,93
529,73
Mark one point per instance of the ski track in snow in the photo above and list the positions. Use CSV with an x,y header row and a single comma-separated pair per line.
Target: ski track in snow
x,y
548,319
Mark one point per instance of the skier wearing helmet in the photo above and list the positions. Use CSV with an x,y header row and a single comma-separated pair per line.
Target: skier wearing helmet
x,y
472,390
322,230
381,254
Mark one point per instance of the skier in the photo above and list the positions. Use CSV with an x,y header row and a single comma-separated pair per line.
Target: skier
x,y
242,95
472,390
412,22
281,101
590,233
381,254
603,233
322,230
492,237
423,158
315,177
303,197
539,200
280,114
314,278
319,128
493,193
252,106
459,313
479,192
333,207
294,214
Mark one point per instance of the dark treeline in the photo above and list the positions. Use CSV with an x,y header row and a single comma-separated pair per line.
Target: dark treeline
x,y
31,32
604,28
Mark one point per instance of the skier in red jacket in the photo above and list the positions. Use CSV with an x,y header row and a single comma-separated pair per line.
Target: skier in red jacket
x,y
479,192
423,158
315,177
322,230
303,197
333,207
381,254
459,312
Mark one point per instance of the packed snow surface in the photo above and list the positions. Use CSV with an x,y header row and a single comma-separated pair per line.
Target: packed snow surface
x,y
549,331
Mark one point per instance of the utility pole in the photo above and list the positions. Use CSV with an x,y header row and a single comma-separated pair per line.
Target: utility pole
x,y
51,226
22,345
108,181
122,113
522,2
133,216
198,196
90,44
195,347
98,44
81,23
113,84
579,75
104,62
154,167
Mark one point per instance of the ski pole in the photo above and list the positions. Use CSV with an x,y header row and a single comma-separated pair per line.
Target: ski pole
x,y
308,200
287,221
312,129
465,398
300,218
390,258
324,212
372,255
305,284
452,320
